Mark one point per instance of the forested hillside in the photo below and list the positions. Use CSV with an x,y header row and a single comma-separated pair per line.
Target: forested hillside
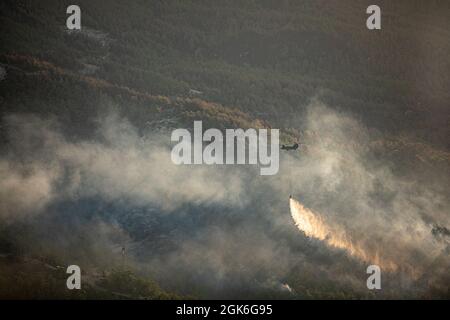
x,y
264,58
232,64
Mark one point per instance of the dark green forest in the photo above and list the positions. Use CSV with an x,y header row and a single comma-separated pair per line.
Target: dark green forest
x,y
230,63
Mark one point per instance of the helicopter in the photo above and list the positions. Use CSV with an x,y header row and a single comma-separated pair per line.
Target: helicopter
x,y
289,147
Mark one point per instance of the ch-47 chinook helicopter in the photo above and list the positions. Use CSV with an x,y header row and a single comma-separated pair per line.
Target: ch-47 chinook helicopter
x,y
289,147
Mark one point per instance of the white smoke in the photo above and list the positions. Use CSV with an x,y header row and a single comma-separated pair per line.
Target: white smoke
x,y
363,201
45,166
334,175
